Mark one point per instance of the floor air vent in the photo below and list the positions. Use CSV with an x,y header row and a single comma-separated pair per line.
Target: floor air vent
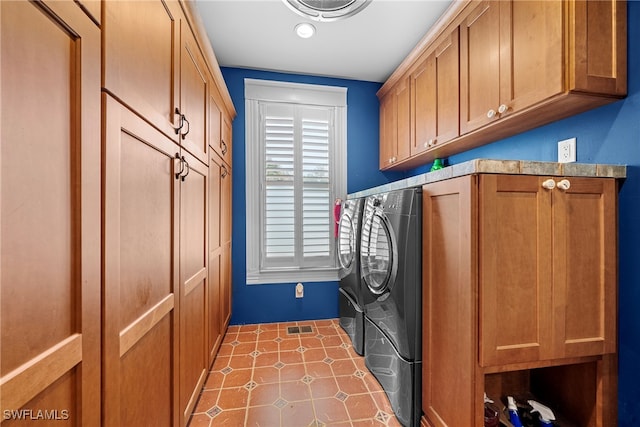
x,y
299,330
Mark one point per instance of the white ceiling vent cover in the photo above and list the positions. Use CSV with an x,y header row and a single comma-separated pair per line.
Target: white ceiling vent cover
x,y
327,10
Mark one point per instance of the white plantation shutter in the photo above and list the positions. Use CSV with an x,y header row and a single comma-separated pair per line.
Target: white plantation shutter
x,y
297,187
279,193
317,205
295,170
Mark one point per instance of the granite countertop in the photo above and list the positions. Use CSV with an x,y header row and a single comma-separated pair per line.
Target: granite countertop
x,y
517,167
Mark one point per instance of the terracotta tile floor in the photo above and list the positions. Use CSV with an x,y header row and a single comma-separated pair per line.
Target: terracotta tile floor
x,y
265,376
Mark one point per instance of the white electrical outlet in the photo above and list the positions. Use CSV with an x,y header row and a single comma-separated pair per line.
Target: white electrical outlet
x,y
567,150
299,290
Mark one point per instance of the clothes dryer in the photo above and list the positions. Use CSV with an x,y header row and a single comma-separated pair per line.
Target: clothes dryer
x,y
350,291
392,296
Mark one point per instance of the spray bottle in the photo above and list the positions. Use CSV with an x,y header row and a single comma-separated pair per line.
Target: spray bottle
x,y
546,414
513,412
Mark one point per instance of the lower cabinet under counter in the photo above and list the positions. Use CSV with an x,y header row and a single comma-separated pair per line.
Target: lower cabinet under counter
x,y
519,296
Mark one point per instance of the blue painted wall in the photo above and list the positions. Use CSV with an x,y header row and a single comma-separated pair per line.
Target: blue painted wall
x,y
610,134
276,302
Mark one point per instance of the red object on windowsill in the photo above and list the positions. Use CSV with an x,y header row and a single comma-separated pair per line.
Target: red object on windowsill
x,y
337,208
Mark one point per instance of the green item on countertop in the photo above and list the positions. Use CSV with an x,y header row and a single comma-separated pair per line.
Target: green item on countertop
x,y
437,164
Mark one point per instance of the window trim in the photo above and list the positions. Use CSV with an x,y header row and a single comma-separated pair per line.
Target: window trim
x,y
292,93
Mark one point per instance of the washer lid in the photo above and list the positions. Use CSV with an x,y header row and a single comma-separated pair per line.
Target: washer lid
x,y
327,10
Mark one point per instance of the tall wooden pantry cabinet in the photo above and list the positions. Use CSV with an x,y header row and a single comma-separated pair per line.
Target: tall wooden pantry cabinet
x,y
50,214
111,311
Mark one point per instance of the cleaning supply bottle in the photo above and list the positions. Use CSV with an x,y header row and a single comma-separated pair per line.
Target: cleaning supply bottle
x,y
491,413
437,164
513,412
546,414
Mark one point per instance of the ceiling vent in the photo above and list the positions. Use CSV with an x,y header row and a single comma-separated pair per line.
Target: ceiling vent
x,y
327,10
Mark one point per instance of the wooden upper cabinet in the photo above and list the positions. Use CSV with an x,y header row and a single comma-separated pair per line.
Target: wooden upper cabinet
x,y
388,123
227,140
511,56
522,64
220,134
395,143
51,211
479,65
194,82
599,53
435,96
141,41
153,65
547,262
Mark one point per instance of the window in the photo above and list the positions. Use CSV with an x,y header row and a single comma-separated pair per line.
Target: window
x,y
296,160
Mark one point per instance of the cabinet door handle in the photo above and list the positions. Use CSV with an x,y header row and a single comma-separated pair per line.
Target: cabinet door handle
x,y
181,123
549,184
502,109
426,144
224,148
184,135
491,114
225,172
564,185
188,169
177,157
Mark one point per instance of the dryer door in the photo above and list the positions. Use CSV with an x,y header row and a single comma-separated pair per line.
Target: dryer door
x,y
379,258
346,241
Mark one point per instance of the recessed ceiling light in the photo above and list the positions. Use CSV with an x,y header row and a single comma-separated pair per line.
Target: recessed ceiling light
x,y
305,30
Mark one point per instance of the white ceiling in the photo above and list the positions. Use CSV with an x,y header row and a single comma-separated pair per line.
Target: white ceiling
x,y
259,34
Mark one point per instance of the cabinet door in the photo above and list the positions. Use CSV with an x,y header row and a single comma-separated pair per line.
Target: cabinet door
x,y
435,99
140,346
584,265
226,226
403,121
516,266
480,66
50,204
193,95
92,8
424,101
215,122
140,45
449,344
599,46
193,282
214,323
388,124
225,286
531,53
395,124
227,140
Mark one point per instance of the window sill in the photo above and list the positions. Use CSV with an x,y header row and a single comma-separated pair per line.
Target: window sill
x,y
292,276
